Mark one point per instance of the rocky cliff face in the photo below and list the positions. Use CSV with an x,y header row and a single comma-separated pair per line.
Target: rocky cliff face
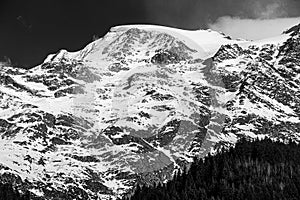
x,y
137,105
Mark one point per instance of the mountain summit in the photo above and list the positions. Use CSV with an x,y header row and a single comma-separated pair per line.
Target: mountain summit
x,y
138,104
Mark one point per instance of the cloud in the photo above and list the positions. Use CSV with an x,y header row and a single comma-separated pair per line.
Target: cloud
x,y
272,11
253,29
269,10
195,14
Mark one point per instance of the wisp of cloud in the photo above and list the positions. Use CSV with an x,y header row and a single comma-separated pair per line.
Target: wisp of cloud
x,y
253,29
238,18
271,19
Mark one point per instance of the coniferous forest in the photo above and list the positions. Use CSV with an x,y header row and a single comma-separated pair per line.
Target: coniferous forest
x,y
250,171
7,192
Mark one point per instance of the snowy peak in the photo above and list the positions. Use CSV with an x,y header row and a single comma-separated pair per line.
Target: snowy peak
x,y
136,105
141,41
146,39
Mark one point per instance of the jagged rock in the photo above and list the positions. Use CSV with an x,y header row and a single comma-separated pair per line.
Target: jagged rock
x,y
165,57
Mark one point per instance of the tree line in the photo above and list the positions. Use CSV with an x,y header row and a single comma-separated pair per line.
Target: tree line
x,y
251,170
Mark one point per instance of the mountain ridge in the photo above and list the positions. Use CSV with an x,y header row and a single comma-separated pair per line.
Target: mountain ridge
x,y
137,105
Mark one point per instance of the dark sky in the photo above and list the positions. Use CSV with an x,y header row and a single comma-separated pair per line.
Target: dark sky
x,y
32,29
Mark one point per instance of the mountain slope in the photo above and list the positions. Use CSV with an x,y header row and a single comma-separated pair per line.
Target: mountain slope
x,y
138,104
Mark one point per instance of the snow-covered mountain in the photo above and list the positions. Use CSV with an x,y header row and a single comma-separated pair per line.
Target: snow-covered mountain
x,y
140,103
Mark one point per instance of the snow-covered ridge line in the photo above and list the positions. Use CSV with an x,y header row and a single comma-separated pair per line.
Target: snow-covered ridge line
x,y
207,42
